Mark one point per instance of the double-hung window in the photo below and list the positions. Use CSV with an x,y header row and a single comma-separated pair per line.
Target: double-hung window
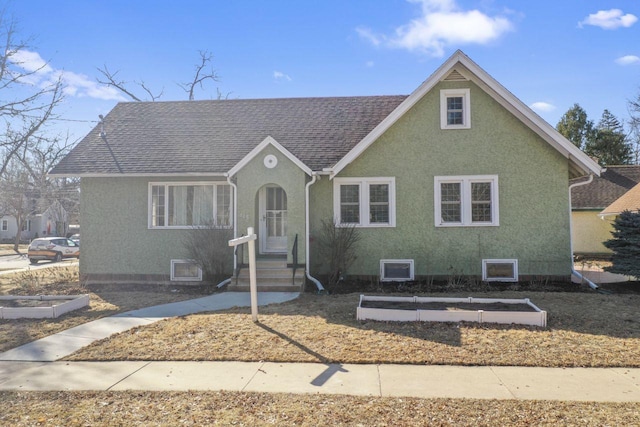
x,y
455,109
470,200
365,202
183,205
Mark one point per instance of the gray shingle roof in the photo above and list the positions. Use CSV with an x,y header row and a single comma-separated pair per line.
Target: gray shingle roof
x,y
604,190
212,136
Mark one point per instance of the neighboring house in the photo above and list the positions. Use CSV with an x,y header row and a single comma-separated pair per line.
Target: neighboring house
x,y
595,206
459,177
51,222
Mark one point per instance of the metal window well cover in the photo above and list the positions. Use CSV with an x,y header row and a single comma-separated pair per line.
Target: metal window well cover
x,y
535,317
71,302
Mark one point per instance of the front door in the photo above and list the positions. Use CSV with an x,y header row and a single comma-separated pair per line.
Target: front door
x,y
273,220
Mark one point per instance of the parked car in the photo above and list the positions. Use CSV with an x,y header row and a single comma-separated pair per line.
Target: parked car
x,y
52,248
76,239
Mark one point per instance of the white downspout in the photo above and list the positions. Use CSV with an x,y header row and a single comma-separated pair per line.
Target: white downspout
x,y
573,270
235,217
314,178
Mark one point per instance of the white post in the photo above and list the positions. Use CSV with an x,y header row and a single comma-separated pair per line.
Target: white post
x,y
252,275
253,287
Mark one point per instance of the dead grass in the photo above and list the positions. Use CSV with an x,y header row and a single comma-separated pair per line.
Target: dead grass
x,y
585,329
105,301
261,409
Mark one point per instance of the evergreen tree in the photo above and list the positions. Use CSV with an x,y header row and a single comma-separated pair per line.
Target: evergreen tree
x,y
634,122
575,126
609,142
625,244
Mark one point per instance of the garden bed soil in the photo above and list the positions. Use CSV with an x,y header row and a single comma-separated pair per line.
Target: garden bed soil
x,y
447,306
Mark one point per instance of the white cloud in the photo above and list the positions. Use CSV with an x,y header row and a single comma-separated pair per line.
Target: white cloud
x,y
609,19
79,85
29,61
369,64
278,75
41,73
441,24
628,60
543,107
370,36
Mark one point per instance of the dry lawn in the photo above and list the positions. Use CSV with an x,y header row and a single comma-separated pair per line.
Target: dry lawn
x,y
585,329
104,301
261,409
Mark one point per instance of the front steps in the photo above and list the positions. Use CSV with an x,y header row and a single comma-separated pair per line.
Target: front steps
x,y
272,275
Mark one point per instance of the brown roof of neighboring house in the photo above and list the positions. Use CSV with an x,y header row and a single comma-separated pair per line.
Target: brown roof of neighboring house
x,y
629,201
612,184
210,137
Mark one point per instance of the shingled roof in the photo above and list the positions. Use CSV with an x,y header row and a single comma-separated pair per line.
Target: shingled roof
x,y
210,137
604,190
629,201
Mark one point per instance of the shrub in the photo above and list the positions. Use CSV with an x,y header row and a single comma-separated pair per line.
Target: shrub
x,y
208,246
337,249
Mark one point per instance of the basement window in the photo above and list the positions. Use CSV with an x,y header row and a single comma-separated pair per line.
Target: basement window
x,y
500,270
185,270
396,270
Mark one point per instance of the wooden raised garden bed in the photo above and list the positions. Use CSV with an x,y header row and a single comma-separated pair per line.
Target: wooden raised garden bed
x,y
430,309
40,306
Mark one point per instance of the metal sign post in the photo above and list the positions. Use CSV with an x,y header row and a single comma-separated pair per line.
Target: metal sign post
x,y
250,239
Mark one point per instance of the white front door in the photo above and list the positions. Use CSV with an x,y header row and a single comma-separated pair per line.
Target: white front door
x,y
273,220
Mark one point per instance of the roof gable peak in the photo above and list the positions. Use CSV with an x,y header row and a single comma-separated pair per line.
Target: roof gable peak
x,y
269,140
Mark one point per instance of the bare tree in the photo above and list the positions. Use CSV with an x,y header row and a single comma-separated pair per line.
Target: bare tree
x,y
111,79
203,72
27,103
26,189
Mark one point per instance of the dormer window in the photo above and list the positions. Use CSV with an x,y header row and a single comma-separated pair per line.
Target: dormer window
x,y
455,109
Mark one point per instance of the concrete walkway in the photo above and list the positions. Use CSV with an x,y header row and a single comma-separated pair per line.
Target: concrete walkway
x,y
64,343
576,384
34,367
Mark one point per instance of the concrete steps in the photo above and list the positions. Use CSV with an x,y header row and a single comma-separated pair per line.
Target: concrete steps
x,y
272,275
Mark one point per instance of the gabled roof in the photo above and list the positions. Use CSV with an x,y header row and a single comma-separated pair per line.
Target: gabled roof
x,y
460,67
612,184
629,201
269,141
211,137
325,134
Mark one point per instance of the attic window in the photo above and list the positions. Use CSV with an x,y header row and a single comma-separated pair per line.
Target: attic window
x,y
455,110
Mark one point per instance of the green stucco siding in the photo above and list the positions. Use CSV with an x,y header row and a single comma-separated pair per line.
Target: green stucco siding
x,y
286,174
532,181
116,238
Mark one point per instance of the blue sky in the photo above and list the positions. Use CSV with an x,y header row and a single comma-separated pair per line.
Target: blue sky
x,y
550,54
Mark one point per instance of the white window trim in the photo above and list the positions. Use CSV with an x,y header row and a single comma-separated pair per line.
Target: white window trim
x,y
5,225
396,261
364,184
500,279
174,278
466,108
166,205
465,188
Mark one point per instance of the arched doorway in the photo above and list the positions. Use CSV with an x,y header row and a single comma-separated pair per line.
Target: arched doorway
x,y
273,220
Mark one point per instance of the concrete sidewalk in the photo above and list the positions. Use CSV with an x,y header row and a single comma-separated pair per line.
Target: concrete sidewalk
x,y
575,384
64,343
